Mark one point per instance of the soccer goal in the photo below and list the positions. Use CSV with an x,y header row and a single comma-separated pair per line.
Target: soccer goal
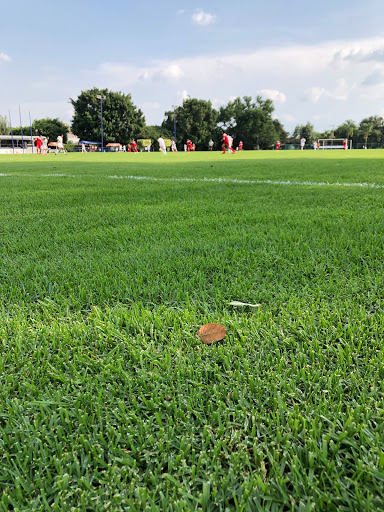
x,y
331,143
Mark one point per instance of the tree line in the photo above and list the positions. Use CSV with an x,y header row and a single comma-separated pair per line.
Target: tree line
x,y
245,119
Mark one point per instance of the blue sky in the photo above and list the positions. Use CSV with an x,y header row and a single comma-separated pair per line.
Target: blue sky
x,y
321,62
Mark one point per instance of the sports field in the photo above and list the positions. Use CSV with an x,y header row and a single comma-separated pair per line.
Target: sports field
x,y
110,264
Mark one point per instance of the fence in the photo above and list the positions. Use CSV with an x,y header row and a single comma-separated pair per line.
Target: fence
x,y
358,145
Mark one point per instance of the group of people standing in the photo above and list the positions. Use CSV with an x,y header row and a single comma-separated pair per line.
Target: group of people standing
x,y
42,145
131,147
227,144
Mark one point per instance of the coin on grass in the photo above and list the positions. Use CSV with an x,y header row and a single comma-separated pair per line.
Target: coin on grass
x,y
212,332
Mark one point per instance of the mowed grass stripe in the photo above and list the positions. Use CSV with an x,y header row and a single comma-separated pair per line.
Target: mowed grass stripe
x,y
109,401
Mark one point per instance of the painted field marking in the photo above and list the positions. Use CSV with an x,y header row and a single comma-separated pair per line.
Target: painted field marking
x,y
255,182
219,180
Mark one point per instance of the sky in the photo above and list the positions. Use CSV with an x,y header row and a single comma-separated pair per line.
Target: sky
x,y
320,62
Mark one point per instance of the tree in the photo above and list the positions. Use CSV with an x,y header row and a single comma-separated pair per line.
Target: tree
x,y
153,132
366,130
281,133
249,121
48,127
196,120
305,130
4,128
376,129
122,120
347,129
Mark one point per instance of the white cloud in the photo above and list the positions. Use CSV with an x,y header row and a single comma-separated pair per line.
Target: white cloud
x,y
288,118
4,57
184,95
374,78
180,12
339,93
274,95
200,17
173,71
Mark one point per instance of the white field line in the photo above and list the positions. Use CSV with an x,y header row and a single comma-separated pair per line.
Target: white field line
x,y
254,182
44,175
224,180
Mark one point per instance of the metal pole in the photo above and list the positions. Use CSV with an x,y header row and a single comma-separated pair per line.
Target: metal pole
x,y
102,140
21,128
10,122
30,125
174,123
101,98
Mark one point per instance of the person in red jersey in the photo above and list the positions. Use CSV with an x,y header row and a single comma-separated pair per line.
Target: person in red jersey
x,y
241,145
189,145
193,147
129,148
277,145
134,146
225,143
39,143
345,144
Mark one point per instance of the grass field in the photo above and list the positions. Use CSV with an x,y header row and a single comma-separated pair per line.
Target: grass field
x,y
109,266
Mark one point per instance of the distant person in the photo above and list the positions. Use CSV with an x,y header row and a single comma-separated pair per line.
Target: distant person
x,y
345,144
189,146
230,141
44,147
277,145
303,140
173,146
129,148
241,145
39,143
124,148
210,145
185,147
60,145
227,144
83,150
315,145
162,147
134,146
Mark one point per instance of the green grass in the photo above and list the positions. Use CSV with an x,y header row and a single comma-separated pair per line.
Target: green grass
x,y
109,400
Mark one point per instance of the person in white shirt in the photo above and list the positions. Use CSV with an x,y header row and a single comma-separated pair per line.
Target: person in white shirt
x,y
303,140
60,145
315,145
44,147
230,139
161,142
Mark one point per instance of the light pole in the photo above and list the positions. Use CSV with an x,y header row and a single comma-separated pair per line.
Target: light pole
x,y
101,98
174,121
